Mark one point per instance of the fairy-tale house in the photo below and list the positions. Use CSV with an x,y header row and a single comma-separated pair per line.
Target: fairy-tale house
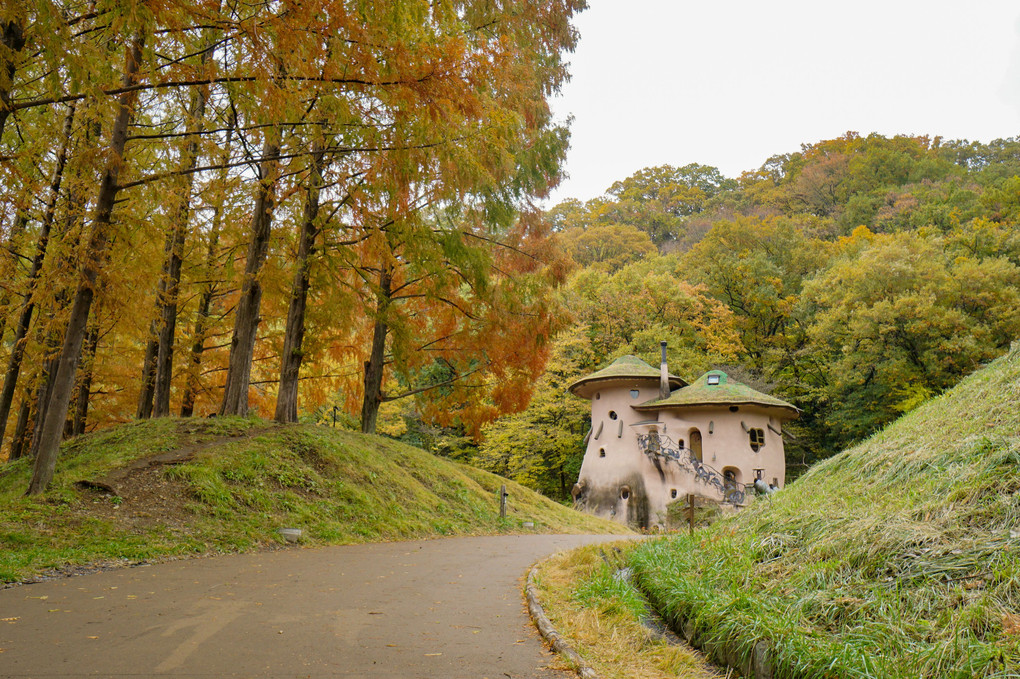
x,y
655,438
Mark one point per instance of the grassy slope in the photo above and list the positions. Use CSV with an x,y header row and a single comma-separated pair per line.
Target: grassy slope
x,y
899,557
246,479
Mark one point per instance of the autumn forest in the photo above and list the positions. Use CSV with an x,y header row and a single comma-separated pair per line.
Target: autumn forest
x,y
330,211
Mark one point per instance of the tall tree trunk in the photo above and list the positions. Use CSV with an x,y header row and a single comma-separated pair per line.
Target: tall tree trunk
x,y
28,304
94,258
376,359
290,367
87,369
44,386
148,390
209,290
170,287
12,36
246,316
19,441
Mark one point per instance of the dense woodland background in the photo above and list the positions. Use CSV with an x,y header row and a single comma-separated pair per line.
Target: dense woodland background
x,y
326,210
854,278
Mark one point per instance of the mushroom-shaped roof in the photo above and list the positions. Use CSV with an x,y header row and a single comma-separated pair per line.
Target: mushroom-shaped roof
x,y
716,388
622,369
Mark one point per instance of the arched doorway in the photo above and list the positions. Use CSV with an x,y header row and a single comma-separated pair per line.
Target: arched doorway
x,y
695,440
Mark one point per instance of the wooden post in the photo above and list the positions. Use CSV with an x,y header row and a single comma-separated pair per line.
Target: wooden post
x,y
502,501
690,512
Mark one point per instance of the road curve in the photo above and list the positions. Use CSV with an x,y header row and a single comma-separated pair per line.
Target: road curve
x,y
439,608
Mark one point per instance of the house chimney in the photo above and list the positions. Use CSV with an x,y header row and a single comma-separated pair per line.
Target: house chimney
x,y
663,374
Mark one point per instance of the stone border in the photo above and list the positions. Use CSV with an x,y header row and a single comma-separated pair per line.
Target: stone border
x,y
549,632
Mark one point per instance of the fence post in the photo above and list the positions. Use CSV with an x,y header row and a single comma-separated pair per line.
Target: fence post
x,y
690,512
502,501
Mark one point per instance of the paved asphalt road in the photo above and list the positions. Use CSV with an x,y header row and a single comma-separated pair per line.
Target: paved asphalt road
x,y
439,608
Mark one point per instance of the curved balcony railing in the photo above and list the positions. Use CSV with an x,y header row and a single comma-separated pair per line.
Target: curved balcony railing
x,y
656,445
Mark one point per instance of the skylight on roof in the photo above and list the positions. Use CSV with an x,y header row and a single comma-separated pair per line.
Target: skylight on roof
x,y
713,379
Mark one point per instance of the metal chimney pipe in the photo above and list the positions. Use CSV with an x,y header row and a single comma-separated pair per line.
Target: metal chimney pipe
x,y
663,374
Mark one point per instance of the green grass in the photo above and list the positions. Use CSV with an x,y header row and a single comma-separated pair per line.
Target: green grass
x,y
247,479
899,557
600,614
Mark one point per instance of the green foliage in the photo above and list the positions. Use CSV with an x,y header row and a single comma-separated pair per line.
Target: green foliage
x,y
856,278
610,247
900,319
896,558
632,310
655,200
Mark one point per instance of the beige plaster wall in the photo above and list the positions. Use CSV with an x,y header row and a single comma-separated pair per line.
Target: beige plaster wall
x,y
652,484
603,478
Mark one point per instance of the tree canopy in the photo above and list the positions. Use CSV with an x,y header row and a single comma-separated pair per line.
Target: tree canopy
x,y
854,278
219,195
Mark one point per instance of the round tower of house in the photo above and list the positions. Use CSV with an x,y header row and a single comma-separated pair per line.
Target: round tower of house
x,y
612,478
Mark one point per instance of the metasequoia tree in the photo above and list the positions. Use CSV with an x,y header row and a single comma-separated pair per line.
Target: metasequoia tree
x,y
291,357
334,118
158,362
94,254
12,41
29,301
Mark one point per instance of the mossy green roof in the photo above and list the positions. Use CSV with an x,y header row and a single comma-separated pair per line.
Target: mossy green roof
x,y
623,368
722,391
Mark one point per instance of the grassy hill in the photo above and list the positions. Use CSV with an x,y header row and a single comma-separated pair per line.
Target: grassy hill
x,y
899,557
171,487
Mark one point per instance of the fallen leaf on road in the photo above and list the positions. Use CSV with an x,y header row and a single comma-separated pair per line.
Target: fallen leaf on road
x,y
10,620
430,655
41,598
93,637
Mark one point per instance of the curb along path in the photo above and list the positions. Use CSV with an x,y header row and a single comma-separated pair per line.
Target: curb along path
x,y
438,608
545,627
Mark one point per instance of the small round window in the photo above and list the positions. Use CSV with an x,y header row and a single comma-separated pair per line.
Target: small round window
x,y
602,452
597,395
625,493
634,393
612,414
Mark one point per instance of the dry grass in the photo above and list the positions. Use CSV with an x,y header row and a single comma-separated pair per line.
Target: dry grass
x,y
600,617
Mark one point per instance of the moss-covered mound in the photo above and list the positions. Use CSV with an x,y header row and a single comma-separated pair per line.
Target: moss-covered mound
x,y
174,487
897,558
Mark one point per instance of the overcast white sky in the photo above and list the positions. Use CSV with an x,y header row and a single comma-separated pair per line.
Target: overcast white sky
x,y
729,84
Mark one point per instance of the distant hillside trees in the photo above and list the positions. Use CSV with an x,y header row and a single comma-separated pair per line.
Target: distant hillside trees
x,y
856,277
